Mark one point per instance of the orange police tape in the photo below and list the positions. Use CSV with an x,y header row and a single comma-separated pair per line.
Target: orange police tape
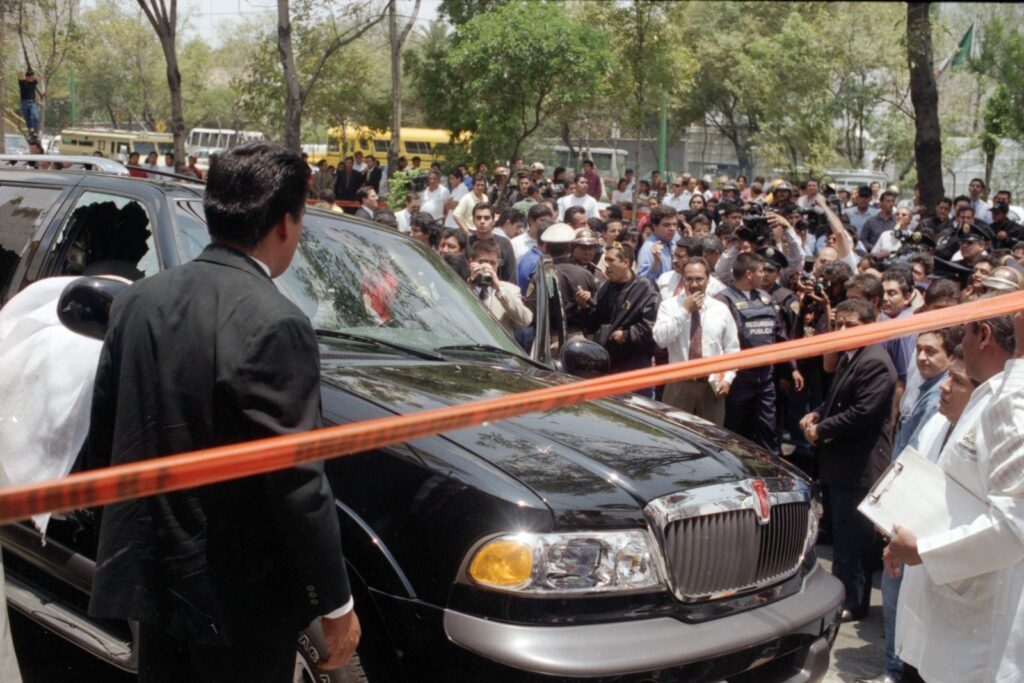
x,y
186,470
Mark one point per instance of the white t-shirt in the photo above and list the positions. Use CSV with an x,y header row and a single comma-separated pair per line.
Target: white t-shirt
x,y
586,201
625,197
457,194
680,203
404,219
433,201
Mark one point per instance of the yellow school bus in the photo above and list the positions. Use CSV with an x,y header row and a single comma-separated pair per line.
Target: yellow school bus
x,y
114,144
426,143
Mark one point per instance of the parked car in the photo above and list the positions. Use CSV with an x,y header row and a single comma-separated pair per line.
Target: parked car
x,y
616,539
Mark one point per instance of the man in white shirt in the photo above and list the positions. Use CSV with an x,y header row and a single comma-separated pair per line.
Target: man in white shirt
x,y
889,242
523,242
358,163
463,213
404,217
435,196
679,199
960,606
808,194
458,190
579,197
692,325
981,209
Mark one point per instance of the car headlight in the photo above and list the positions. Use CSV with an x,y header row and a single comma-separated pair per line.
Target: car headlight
x,y
575,562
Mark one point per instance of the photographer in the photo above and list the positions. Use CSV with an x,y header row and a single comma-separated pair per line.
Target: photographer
x,y
890,241
502,299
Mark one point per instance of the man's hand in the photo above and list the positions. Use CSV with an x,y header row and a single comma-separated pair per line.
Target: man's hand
x,y
902,547
582,297
811,434
808,420
342,637
722,389
777,220
798,380
474,270
693,302
619,337
488,269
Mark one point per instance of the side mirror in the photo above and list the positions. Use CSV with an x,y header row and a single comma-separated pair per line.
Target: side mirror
x,y
584,358
84,305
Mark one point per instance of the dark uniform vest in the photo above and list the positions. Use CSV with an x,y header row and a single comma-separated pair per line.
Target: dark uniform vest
x,y
756,323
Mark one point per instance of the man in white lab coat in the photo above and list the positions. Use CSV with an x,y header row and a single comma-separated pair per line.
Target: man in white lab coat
x,y
961,594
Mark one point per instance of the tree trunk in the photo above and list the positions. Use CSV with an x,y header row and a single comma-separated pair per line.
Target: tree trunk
x,y
925,97
396,87
990,158
174,84
293,96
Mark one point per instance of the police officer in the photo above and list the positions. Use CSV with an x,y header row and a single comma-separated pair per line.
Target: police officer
x,y
585,246
782,195
1006,233
565,315
785,302
750,405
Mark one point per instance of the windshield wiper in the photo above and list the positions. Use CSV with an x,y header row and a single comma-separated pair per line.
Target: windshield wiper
x,y
490,348
409,350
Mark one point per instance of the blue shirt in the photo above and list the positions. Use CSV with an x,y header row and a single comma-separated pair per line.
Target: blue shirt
x,y
646,266
526,267
901,350
927,405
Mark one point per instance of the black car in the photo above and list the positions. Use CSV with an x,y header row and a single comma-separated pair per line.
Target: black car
x,y
615,539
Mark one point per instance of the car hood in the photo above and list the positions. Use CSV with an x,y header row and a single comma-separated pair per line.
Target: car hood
x,y
592,459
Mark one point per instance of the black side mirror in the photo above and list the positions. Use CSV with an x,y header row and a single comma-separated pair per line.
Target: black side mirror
x,y
584,358
84,305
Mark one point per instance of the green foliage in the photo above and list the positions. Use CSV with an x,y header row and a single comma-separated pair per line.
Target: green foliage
x,y
520,64
435,88
459,12
398,184
1002,58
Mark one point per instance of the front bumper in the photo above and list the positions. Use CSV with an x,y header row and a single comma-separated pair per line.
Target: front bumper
x,y
804,621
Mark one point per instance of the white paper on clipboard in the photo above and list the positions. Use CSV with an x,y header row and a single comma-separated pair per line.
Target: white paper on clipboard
x,y
916,494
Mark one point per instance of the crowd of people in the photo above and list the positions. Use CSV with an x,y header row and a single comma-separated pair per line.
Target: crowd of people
x,y
668,272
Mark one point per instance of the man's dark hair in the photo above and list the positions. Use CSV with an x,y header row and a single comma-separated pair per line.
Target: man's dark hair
x,y
949,338
885,194
385,216
557,249
862,308
459,264
479,178
250,188
946,200
698,261
869,285
459,236
482,206
902,275
660,213
978,180
710,244
700,219
986,258
836,272
926,260
1001,326
571,212
483,247
729,208
457,173
746,261
941,289
510,214
538,211
363,193
588,161
962,198
426,224
596,224
615,211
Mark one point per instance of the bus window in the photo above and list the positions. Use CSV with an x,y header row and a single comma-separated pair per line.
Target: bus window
x,y
415,147
381,146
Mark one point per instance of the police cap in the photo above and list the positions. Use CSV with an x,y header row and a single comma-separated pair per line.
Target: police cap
x,y
558,233
773,258
585,237
923,237
974,231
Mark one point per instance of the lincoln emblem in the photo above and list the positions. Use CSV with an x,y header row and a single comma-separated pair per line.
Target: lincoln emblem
x,y
763,507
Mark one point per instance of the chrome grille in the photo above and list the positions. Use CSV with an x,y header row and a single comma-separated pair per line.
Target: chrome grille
x,y
725,552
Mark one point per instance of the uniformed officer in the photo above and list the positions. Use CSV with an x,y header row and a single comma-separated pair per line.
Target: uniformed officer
x,y
785,302
750,405
585,246
569,278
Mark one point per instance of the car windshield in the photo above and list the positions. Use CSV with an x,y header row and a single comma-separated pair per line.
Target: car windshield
x,y
349,278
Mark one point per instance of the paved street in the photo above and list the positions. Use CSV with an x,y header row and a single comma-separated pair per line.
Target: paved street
x,y
860,647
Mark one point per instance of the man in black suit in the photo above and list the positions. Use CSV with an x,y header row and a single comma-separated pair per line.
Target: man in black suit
x,y
347,182
368,202
373,173
851,430
220,578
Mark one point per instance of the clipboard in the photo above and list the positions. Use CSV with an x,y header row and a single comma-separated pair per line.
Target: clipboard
x,y
917,494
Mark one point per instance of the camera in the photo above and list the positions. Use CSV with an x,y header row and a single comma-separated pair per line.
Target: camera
x,y
483,280
819,287
816,219
755,224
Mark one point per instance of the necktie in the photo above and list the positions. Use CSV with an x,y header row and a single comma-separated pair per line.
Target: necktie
x,y
679,287
695,336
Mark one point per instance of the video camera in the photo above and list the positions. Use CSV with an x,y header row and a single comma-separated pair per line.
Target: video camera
x,y
755,228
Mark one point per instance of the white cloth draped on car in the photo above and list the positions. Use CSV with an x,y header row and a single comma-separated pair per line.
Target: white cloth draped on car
x,y
47,373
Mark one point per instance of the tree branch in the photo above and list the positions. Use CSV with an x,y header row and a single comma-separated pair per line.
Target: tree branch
x,y
339,42
408,27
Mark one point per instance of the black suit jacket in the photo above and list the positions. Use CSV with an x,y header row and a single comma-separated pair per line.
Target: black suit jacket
x,y
202,355
373,177
345,186
854,435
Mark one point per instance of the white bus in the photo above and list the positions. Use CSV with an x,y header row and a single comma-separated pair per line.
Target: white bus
x,y
210,140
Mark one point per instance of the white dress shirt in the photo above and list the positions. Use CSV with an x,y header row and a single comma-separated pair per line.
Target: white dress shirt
x,y
521,244
404,220
718,332
457,194
960,612
680,203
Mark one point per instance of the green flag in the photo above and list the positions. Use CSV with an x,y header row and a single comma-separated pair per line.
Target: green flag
x,y
963,50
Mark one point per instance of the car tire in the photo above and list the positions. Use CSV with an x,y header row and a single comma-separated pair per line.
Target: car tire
x,y
310,649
